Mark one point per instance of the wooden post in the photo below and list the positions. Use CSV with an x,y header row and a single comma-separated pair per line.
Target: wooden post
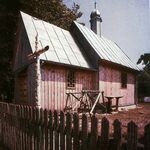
x,y
46,129
147,137
76,143
68,131
22,129
104,134
19,126
27,121
41,129
31,131
94,133
84,133
50,126
62,135
93,107
25,127
56,134
117,135
132,136
34,127
38,80
37,124
38,75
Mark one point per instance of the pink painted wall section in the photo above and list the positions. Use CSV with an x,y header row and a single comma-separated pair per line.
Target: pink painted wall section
x,y
110,83
53,86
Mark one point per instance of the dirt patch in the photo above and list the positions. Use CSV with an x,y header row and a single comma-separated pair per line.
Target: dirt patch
x,y
140,115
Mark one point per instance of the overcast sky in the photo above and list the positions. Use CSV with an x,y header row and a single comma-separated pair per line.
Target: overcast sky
x,y
126,22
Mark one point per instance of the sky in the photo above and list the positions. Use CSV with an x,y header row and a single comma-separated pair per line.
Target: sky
x,y
126,22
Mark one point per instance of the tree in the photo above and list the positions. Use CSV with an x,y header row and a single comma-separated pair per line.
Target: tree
x,y
144,76
53,11
145,60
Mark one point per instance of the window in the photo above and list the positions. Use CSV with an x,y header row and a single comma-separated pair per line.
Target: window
x,y
123,80
70,79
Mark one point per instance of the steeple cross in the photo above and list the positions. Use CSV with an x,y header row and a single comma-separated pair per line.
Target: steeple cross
x,y
95,4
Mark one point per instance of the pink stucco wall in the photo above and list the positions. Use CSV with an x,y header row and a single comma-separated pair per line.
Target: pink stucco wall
x,y
110,83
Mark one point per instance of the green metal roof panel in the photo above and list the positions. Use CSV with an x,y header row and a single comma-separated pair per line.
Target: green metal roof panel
x,y
62,46
106,49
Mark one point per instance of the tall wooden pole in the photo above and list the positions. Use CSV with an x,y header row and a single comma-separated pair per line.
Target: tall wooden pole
x,y
38,76
38,82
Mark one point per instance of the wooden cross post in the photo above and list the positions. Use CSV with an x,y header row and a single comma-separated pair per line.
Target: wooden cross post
x,y
36,56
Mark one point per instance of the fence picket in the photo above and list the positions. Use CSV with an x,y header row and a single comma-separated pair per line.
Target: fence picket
x,y
56,134
34,128
132,136
94,133
84,132
46,129
37,128
76,144
147,137
22,128
62,134
31,128
50,127
41,129
117,135
26,127
104,139
19,127
68,131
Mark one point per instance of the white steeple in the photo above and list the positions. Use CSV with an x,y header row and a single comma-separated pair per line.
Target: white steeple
x,y
95,20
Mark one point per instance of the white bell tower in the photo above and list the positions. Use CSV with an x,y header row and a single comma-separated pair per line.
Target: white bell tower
x,y
95,20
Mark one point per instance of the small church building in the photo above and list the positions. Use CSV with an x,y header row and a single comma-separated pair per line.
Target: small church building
x,y
50,61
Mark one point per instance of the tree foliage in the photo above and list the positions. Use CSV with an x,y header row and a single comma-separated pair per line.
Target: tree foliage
x,y
144,76
145,60
53,11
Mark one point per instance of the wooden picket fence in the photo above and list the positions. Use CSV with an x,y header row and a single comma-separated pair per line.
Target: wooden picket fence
x,y
30,128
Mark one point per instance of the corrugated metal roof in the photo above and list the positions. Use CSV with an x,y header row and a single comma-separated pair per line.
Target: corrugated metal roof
x,y
106,49
62,46
64,49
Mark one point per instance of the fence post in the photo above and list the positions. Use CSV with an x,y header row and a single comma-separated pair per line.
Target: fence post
x,y
62,135
56,133
37,128
26,127
22,128
41,129
104,139
84,132
132,136
68,131
50,126
8,127
117,135
19,127
94,133
76,144
34,128
147,137
29,128
46,129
